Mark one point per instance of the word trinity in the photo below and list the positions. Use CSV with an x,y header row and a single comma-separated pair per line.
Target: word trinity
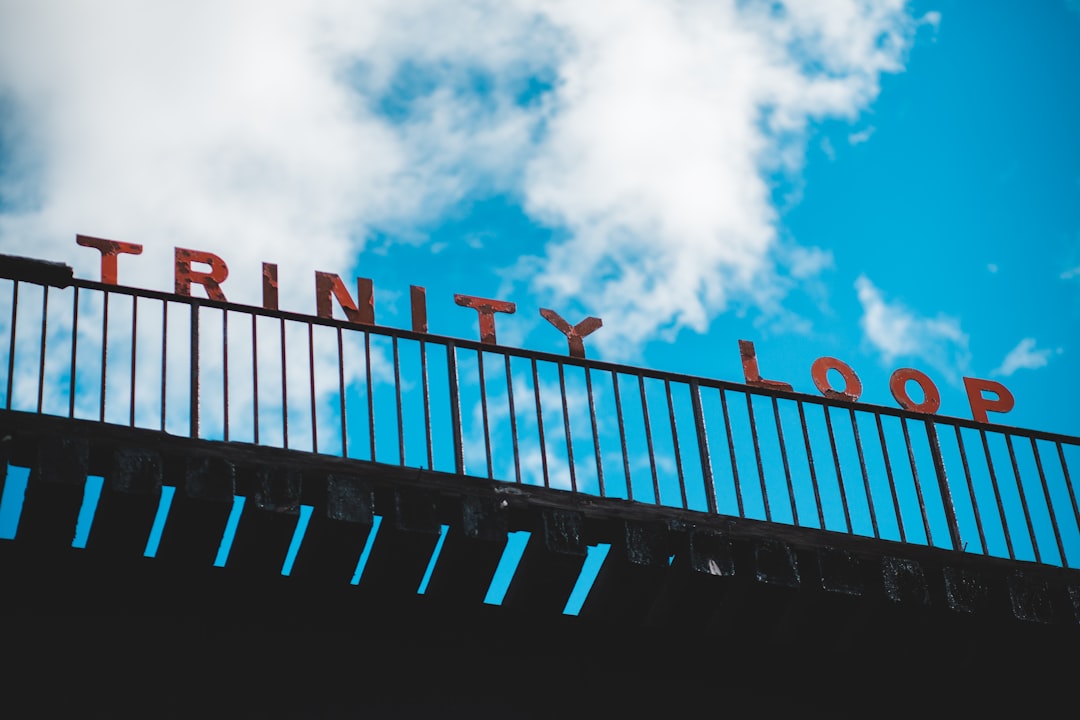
x,y
329,288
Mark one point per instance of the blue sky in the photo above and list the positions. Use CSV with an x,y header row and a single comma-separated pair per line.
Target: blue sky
x,y
892,184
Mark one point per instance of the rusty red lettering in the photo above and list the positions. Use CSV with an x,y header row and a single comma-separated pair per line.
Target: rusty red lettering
x,y
819,371
211,281
329,285
109,250
975,388
486,310
898,386
574,333
269,286
418,302
750,369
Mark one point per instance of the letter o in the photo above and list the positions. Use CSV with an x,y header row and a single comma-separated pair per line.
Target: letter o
x,y
819,371
898,385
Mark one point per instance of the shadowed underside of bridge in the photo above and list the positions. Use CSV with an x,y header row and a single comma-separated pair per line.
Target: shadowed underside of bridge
x,y
688,610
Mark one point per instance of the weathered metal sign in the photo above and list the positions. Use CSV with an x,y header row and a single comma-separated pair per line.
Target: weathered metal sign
x,y
329,288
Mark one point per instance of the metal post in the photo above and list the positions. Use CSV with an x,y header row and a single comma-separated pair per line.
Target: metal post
x,y
943,486
194,382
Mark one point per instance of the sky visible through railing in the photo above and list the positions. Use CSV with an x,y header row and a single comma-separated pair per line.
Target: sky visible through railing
x,y
132,357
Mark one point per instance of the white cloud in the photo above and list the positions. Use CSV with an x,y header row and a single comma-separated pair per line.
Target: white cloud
x,y
828,149
289,132
238,128
896,332
1069,274
861,136
1023,356
667,120
806,262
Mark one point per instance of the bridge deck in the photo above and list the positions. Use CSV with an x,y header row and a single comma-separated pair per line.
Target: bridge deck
x,y
687,607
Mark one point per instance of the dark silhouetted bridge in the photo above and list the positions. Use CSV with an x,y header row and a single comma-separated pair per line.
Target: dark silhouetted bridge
x,y
224,509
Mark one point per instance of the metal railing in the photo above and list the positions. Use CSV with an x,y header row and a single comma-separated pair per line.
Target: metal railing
x,y
237,373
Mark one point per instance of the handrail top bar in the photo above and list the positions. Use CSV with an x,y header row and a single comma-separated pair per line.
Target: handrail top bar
x,y
40,272
53,274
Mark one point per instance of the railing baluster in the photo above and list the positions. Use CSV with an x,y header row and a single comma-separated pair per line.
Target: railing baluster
x,y
134,341
595,433
255,379
455,409
971,492
784,457
72,381
165,356
943,485
918,485
892,480
810,465
865,475
427,407
1049,502
675,443
703,448
622,435
540,424
194,369
484,412
225,370
311,386
731,452
371,395
648,438
513,421
997,495
566,429
105,355
757,456
44,334
284,388
397,400
11,346
839,472
1023,499
341,395
1068,485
